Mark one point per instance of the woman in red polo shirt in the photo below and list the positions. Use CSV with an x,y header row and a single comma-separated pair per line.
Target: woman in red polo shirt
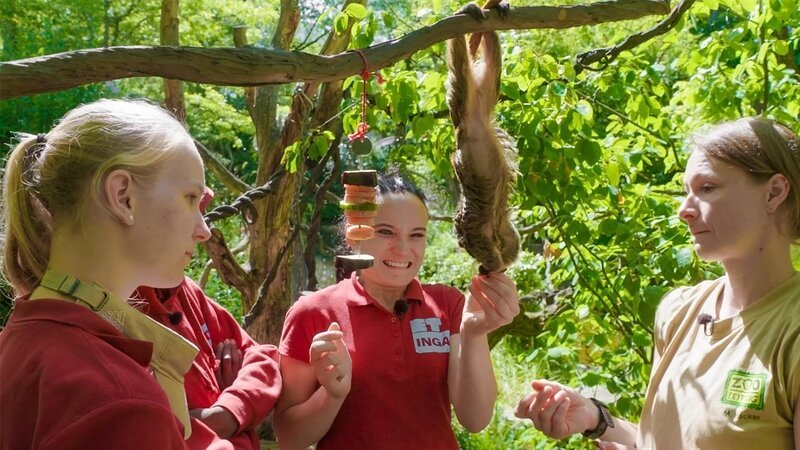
x,y
362,373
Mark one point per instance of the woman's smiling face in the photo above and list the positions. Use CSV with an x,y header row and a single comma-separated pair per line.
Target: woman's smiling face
x,y
399,243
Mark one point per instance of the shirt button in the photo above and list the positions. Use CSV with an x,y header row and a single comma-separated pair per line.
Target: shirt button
x,y
394,319
396,333
398,351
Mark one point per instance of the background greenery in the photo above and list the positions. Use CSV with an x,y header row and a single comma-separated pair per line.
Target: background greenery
x,y
601,155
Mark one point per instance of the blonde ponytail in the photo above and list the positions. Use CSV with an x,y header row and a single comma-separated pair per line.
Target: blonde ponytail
x,y
26,223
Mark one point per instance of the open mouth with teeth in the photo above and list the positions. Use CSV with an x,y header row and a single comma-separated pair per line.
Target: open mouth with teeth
x,y
397,264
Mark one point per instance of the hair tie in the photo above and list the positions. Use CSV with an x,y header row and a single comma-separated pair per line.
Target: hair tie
x,y
41,138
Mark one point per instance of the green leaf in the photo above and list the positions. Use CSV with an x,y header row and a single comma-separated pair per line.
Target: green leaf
x,y
388,19
589,151
608,226
781,47
356,11
340,23
684,257
422,124
612,172
559,88
585,109
558,352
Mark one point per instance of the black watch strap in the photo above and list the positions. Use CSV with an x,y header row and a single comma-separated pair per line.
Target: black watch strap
x,y
606,421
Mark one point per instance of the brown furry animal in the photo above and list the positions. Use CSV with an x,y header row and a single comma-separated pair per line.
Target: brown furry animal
x,y
485,158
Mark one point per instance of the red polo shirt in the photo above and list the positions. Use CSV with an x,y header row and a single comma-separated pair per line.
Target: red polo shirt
x,y
205,323
399,397
70,380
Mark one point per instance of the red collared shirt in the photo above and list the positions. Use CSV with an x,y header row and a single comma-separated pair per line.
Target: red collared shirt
x,y
399,397
252,395
71,380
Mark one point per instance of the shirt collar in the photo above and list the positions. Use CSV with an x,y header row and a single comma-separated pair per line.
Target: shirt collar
x,y
356,295
73,314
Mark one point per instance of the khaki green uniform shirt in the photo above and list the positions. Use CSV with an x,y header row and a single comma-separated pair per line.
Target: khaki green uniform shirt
x,y
736,389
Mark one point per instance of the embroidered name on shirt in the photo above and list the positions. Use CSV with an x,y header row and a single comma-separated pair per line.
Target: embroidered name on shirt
x,y
745,389
733,414
427,336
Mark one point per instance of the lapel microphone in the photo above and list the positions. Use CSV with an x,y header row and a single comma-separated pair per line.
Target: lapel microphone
x,y
175,317
707,321
400,307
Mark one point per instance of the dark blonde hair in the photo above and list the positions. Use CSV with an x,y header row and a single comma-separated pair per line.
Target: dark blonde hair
x,y
762,148
50,177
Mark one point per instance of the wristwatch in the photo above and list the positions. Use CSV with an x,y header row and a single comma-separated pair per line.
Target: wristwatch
x,y
606,421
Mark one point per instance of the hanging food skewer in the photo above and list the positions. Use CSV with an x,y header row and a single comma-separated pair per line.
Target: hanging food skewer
x,y
360,208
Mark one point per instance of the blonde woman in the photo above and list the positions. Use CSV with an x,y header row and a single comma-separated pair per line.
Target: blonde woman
x,y
104,202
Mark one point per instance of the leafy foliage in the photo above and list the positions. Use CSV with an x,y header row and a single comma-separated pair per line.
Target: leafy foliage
x,y
601,153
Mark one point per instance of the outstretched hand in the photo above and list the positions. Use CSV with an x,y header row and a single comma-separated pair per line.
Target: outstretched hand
x,y
331,361
492,302
556,410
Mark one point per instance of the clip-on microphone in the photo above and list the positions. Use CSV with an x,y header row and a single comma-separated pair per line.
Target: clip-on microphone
x,y
400,307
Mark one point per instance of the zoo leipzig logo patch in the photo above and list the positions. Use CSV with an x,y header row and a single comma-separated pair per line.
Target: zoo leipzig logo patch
x,y
745,389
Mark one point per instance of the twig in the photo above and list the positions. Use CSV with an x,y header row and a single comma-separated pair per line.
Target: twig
x,y
608,54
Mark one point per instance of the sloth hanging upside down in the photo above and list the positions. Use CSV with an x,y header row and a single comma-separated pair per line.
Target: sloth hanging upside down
x,y
485,159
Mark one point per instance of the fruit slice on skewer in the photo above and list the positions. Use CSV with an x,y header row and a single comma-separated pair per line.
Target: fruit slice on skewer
x,y
359,232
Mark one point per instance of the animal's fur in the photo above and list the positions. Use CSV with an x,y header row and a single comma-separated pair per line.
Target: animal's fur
x,y
485,158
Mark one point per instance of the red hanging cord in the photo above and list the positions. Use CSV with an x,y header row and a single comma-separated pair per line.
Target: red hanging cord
x,y
361,129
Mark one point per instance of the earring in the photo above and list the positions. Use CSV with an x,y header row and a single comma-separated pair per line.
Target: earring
x,y
130,219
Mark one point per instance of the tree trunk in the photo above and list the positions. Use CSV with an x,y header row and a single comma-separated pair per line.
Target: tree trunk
x,y
273,228
173,89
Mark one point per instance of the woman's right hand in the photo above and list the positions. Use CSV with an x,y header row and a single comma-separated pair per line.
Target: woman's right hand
x,y
556,410
331,361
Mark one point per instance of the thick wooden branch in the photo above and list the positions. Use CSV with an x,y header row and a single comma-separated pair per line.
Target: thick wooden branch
x,y
252,66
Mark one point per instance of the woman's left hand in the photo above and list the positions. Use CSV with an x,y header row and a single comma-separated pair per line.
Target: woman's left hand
x,y
492,302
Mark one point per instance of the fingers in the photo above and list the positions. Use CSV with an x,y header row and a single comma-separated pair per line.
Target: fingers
x,y
497,297
524,406
330,359
539,385
325,342
236,359
500,291
230,361
549,416
548,408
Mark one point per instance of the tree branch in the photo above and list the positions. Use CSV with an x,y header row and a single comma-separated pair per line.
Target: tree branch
x,y
608,54
252,66
223,175
229,270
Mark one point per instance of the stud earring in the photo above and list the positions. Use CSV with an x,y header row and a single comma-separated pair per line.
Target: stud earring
x,y
130,219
